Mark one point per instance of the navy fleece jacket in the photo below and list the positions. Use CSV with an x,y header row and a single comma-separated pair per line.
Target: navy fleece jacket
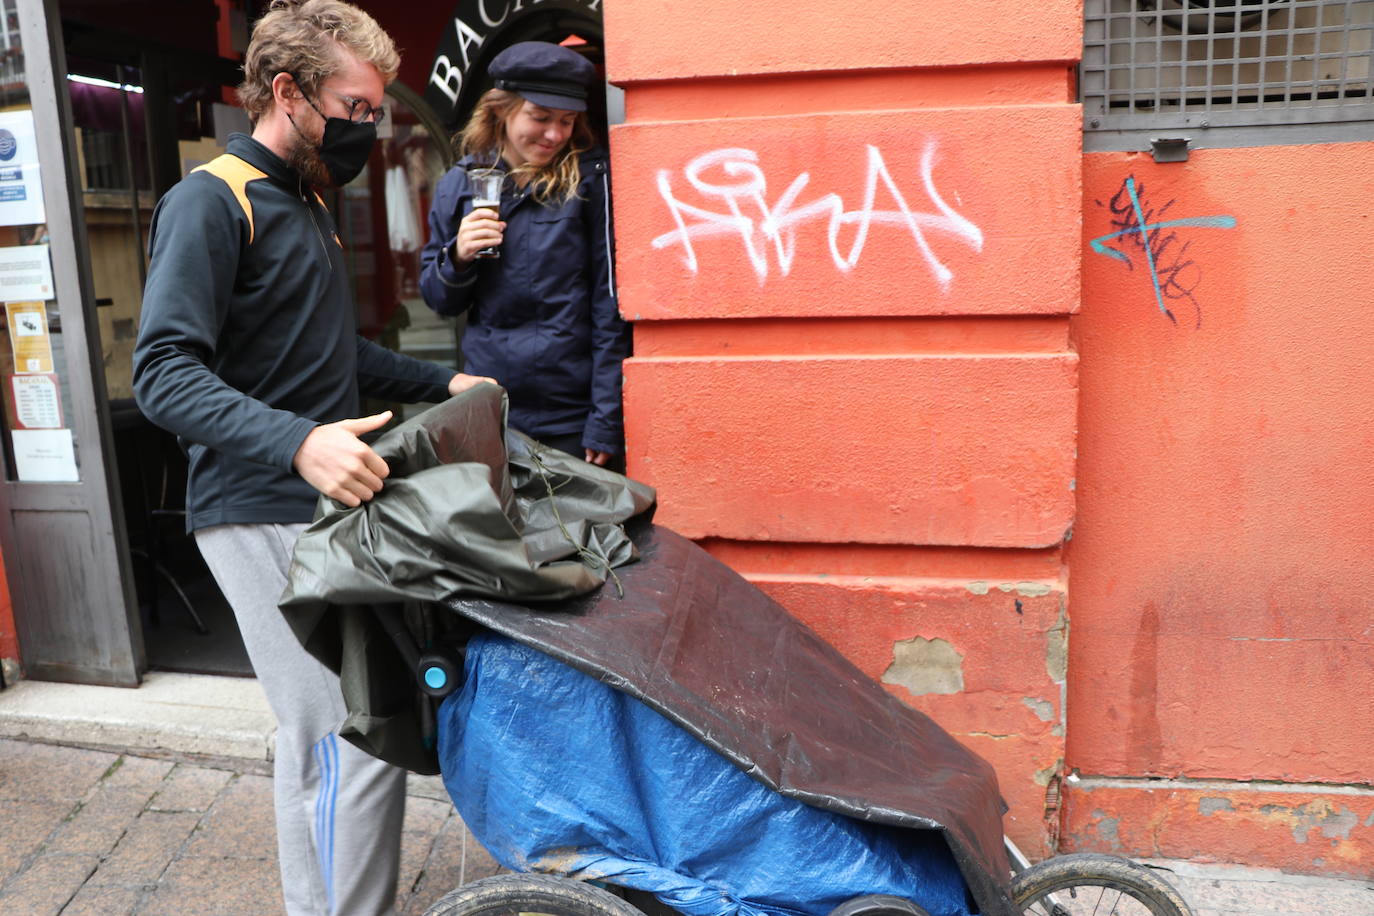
x,y
248,337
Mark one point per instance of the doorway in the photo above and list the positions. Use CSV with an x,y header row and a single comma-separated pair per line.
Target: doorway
x,y
144,110
145,114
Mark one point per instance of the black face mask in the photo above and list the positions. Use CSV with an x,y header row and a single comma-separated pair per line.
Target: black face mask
x,y
345,147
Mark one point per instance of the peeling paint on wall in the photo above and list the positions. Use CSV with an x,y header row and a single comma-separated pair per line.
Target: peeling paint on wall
x,y
1043,709
1317,815
1027,589
1255,823
1057,647
926,666
1108,828
1024,589
1210,806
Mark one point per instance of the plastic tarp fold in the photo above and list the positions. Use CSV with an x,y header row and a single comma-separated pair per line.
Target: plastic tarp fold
x,y
477,538
468,509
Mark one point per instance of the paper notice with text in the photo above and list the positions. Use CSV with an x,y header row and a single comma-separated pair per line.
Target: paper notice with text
x,y
44,455
21,192
25,273
28,325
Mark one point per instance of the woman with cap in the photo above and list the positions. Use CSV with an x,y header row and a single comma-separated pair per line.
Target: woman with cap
x,y
542,314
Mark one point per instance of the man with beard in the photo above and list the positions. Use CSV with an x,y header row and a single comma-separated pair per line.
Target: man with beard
x,y
248,352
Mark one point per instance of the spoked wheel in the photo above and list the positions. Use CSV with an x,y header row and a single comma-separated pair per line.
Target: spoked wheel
x,y
878,905
1091,884
528,895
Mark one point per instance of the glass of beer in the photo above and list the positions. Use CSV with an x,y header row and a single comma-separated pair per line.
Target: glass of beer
x,y
486,192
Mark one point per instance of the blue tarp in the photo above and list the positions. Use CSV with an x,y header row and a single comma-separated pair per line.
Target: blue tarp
x,y
554,771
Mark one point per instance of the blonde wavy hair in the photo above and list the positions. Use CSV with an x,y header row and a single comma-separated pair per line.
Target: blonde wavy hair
x,y
485,135
299,37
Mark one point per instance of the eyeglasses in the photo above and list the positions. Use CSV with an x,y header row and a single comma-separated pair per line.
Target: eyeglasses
x,y
360,111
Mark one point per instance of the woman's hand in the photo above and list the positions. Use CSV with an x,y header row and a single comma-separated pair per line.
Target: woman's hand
x,y
479,229
597,458
460,383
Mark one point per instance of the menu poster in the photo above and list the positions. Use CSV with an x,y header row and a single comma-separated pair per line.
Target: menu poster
x,y
21,193
35,401
29,337
44,455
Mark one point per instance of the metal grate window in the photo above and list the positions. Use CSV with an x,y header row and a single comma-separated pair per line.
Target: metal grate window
x,y
1226,72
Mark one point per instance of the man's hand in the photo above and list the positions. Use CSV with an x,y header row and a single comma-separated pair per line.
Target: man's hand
x,y
461,382
333,460
597,458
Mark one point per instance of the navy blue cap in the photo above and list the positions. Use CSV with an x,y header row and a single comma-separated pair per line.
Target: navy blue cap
x,y
545,74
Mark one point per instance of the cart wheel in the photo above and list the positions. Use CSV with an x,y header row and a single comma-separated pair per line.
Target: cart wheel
x,y
1084,884
440,672
518,895
878,905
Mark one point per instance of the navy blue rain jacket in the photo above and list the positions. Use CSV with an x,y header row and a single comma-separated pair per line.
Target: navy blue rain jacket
x,y
542,319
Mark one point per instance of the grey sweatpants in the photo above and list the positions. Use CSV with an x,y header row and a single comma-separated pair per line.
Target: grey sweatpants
x,y
338,810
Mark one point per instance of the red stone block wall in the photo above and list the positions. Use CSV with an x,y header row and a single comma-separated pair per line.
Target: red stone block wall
x,y
1222,660
849,241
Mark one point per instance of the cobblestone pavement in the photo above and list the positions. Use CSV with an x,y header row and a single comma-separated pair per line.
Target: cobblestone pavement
x,y
95,833
1229,890
117,834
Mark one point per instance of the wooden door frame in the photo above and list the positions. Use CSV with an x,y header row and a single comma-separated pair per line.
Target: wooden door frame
x,y
74,604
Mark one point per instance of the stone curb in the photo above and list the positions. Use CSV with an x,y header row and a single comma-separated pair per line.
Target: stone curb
x,y
178,713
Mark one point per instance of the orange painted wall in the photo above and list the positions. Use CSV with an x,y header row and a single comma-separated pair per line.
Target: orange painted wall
x,y
1302,827
978,241
850,253
1225,499
664,39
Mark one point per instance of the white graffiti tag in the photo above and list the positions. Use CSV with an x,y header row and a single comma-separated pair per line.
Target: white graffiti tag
x,y
775,227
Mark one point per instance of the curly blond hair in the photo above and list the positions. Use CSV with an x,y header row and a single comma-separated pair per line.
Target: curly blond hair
x,y
299,37
485,135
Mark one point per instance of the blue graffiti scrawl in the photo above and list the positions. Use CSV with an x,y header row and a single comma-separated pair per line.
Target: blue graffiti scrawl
x,y
1139,226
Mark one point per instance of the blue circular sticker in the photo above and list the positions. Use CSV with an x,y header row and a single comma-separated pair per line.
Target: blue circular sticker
x,y
8,145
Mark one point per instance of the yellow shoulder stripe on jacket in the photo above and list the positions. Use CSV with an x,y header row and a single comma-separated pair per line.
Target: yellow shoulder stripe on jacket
x,y
325,207
236,173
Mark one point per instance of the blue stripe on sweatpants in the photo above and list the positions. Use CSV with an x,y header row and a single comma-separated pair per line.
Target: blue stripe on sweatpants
x,y
334,803
327,757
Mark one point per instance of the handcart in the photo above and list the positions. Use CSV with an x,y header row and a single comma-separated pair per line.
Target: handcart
x,y
1068,885
672,738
